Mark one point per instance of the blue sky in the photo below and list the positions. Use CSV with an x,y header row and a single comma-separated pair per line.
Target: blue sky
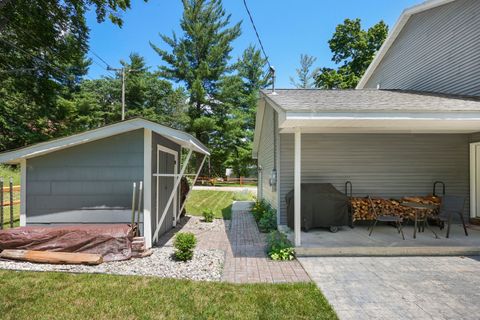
x,y
287,28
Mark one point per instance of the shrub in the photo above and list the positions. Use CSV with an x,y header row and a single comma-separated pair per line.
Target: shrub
x,y
184,244
268,222
259,209
208,215
279,247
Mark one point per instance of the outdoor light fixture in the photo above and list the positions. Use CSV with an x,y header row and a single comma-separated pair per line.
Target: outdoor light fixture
x,y
273,178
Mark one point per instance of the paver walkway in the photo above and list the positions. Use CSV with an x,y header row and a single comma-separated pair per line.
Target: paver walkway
x,y
246,260
244,247
399,287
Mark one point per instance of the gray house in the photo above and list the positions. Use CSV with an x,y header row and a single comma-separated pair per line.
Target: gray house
x,y
88,177
413,120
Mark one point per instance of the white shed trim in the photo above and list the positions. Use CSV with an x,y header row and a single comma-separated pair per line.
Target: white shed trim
x,y
23,193
147,195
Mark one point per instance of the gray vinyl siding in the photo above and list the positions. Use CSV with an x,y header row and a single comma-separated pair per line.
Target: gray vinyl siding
x,y
165,183
98,174
266,157
386,165
438,51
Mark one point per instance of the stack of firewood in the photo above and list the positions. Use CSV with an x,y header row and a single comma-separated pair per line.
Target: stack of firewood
x,y
362,209
139,249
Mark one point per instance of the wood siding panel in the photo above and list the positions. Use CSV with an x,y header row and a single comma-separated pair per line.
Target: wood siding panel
x,y
266,158
386,165
438,50
95,174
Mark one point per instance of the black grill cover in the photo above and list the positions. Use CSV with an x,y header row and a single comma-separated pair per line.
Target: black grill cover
x,y
322,206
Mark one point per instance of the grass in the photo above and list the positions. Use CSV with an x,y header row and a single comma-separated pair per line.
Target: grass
x,y
6,172
220,202
29,295
9,171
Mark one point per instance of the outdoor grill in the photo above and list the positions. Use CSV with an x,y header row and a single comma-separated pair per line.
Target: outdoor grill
x,y
323,206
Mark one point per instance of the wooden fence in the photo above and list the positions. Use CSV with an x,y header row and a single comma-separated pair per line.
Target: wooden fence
x,y
9,201
226,181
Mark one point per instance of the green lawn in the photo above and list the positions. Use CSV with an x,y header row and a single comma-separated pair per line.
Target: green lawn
x,y
30,295
219,201
8,171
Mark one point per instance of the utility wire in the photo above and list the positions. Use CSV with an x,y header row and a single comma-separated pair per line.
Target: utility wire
x,y
256,32
96,55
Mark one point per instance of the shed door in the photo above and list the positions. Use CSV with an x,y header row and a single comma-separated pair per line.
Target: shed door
x,y
166,165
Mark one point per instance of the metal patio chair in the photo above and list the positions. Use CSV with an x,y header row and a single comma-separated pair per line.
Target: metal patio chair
x,y
452,205
385,218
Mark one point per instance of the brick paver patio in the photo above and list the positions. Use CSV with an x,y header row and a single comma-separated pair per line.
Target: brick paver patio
x,y
244,247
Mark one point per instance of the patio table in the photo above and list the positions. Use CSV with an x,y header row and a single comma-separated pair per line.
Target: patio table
x,y
421,215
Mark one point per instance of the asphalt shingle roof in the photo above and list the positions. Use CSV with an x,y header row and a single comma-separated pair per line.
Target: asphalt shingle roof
x,y
370,100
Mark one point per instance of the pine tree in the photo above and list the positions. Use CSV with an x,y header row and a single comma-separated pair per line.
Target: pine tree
x,y
199,59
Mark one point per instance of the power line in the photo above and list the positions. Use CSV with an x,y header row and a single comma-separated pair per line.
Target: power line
x,y
256,32
96,55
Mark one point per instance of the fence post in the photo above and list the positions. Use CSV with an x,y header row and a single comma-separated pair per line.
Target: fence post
x,y
1,203
11,202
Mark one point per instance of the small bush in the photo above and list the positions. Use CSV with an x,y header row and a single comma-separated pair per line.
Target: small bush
x,y
259,209
279,247
184,244
208,215
268,222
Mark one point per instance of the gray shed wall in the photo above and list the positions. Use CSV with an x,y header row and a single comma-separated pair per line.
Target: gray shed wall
x,y
266,158
91,175
438,50
165,183
386,165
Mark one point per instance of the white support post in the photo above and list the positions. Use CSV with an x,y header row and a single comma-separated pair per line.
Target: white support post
x,y
23,192
194,180
147,185
298,187
172,195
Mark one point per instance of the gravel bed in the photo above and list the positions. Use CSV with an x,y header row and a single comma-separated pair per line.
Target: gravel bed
x,y
206,265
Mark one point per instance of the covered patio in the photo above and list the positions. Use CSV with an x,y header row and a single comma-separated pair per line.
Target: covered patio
x,y
413,135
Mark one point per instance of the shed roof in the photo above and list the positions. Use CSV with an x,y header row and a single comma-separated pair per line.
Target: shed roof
x,y
182,138
369,100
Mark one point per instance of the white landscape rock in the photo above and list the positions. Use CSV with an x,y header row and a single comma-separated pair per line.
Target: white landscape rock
x,y
206,265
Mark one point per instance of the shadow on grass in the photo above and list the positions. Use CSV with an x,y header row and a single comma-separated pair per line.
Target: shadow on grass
x,y
227,213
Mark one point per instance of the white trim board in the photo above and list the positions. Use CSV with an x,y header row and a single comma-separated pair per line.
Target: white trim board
x,y
147,185
473,178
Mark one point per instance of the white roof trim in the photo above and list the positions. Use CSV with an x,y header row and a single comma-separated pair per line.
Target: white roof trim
x,y
402,21
182,138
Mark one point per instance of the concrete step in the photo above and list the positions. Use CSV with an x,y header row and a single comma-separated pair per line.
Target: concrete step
x,y
386,251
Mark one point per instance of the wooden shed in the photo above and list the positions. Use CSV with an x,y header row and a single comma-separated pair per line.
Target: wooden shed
x,y
88,177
